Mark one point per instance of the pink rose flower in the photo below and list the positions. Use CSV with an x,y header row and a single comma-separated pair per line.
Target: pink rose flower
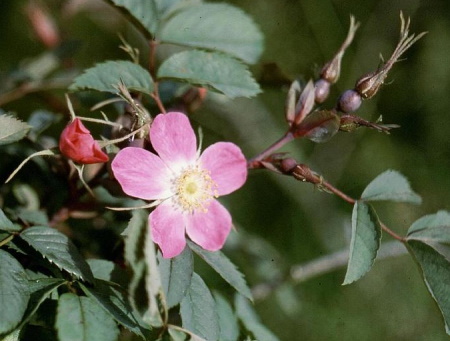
x,y
77,143
186,182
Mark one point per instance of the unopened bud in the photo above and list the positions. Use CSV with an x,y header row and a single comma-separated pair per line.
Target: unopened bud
x,y
332,70
288,165
291,101
305,103
368,85
349,101
322,90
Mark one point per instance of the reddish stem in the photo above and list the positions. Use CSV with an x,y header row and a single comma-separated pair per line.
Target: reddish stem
x,y
253,162
352,201
157,99
152,69
340,194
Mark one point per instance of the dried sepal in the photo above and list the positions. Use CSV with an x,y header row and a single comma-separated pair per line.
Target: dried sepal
x,y
305,103
291,101
368,85
350,123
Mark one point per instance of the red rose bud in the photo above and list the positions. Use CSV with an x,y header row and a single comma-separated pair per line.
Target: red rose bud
x,y
77,143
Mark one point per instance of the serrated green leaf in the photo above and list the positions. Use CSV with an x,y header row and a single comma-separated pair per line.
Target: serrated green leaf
x,y
176,275
365,242
214,70
33,217
436,273
319,126
14,293
114,302
82,319
108,271
14,336
144,13
177,335
6,224
251,321
40,289
107,76
198,310
441,218
203,26
225,268
27,196
391,186
229,327
435,234
434,230
12,129
167,7
58,249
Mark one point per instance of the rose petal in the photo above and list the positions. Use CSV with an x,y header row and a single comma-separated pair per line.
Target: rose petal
x,y
167,228
174,139
142,174
227,165
209,229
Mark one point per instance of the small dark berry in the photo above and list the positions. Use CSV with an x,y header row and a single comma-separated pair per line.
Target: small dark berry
x,y
349,101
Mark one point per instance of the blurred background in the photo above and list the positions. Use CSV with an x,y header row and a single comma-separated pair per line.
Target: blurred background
x,y
282,223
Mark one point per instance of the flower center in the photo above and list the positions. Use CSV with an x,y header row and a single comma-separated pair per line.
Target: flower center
x,y
194,189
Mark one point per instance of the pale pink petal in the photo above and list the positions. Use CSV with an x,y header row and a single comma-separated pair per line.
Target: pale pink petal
x,y
142,174
167,226
227,165
174,139
209,229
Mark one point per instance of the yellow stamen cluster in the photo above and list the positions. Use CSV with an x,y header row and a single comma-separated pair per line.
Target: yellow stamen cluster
x,y
194,189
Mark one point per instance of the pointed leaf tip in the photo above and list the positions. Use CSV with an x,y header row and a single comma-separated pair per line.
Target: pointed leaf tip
x,y
436,271
58,249
12,129
225,268
390,186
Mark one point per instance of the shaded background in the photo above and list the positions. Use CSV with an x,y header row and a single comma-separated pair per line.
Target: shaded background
x,y
282,222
